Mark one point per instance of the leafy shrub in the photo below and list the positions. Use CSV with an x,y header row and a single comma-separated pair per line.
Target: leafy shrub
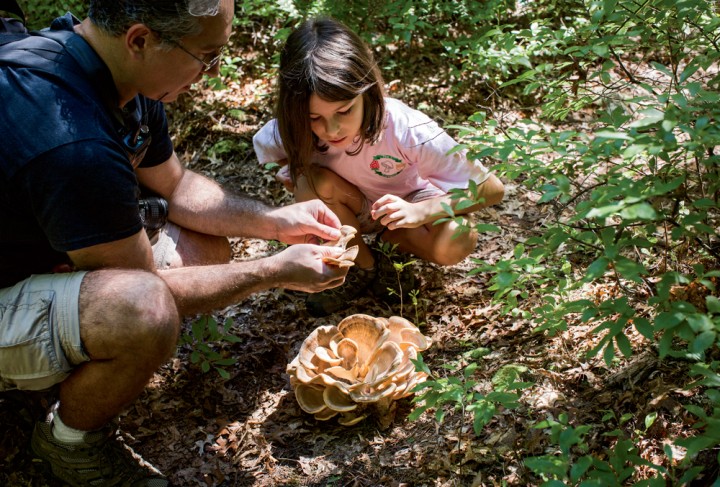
x,y
463,392
635,192
205,334
40,13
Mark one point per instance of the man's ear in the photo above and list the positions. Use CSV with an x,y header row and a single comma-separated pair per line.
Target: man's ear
x,y
138,38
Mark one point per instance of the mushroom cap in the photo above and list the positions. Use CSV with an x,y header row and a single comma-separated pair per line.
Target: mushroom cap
x,y
368,333
402,331
385,361
347,350
310,398
337,400
320,337
325,414
351,419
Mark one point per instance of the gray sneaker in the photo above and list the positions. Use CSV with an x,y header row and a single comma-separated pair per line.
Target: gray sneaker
x,y
100,461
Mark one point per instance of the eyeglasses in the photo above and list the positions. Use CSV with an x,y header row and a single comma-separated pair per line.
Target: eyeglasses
x,y
209,64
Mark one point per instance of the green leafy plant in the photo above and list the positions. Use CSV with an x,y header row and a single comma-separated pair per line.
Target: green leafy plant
x,y
630,199
462,392
400,265
571,466
204,335
40,13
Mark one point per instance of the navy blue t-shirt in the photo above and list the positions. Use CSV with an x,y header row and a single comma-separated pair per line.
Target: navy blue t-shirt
x,y
66,178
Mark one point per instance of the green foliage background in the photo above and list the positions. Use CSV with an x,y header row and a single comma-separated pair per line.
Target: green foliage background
x,y
633,190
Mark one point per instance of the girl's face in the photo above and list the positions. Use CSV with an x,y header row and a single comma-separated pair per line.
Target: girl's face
x,y
336,122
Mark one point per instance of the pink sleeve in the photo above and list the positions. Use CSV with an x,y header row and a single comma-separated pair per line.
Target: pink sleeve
x,y
426,144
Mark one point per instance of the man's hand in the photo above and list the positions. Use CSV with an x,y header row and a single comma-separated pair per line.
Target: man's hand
x,y
302,268
394,212
306,222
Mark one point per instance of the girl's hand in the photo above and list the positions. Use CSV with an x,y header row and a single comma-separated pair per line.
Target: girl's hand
x,y
306,222
394,212
283,176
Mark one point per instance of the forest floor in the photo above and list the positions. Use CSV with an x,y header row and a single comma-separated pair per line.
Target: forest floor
x,y
203,430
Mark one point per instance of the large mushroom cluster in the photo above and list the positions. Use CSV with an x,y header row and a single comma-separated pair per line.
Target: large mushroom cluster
x,y
357,367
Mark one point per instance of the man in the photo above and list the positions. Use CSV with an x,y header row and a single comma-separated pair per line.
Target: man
x,y
83,130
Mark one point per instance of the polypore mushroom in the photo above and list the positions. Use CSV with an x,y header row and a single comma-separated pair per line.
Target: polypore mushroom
x,y
347,258
361,366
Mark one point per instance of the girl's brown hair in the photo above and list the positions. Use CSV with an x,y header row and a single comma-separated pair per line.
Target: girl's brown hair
x,y
324,57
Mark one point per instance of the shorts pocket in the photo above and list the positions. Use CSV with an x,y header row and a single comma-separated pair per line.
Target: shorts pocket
x,y
29,357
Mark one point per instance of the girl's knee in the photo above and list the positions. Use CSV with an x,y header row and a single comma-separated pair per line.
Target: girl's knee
x,y
323,183
455,250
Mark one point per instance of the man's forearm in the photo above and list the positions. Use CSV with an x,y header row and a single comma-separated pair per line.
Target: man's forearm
x,y
205,207
202,289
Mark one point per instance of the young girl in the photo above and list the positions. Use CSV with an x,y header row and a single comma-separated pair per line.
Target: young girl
x,y
381,166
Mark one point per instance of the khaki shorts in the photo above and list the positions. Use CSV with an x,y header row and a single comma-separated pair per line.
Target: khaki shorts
x,y
40,326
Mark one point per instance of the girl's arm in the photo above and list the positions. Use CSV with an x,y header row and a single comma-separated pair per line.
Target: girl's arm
x,y
394,212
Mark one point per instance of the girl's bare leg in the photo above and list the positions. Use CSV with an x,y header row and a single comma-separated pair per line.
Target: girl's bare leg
x,y
434,243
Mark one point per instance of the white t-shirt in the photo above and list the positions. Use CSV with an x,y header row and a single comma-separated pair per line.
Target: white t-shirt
x,y
411,155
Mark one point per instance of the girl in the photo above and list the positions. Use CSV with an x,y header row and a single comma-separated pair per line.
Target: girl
x,y
381,166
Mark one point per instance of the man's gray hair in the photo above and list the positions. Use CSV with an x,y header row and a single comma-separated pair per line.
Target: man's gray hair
x,y
171,20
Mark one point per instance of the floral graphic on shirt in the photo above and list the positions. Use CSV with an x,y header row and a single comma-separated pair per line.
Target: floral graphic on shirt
x,y
387,166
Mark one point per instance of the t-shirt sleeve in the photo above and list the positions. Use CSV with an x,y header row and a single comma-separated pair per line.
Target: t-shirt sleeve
x,y
82,194
267,144
425,143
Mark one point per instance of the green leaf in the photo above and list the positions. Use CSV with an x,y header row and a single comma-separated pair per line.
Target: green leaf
x,y
650,116
470,369
713,304
703,341
623,344
630,269
650,419
448,209
643,326
689,70
487,228
420,364
579,468
226,362
417,412
609,353
639,211
604,211
597,268
667,320
613,135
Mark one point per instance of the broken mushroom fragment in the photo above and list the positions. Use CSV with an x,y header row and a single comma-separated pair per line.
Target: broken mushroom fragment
x,y
347,258
357,368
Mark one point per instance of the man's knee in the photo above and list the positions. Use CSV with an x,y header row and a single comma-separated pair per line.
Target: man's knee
x,y
122,308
